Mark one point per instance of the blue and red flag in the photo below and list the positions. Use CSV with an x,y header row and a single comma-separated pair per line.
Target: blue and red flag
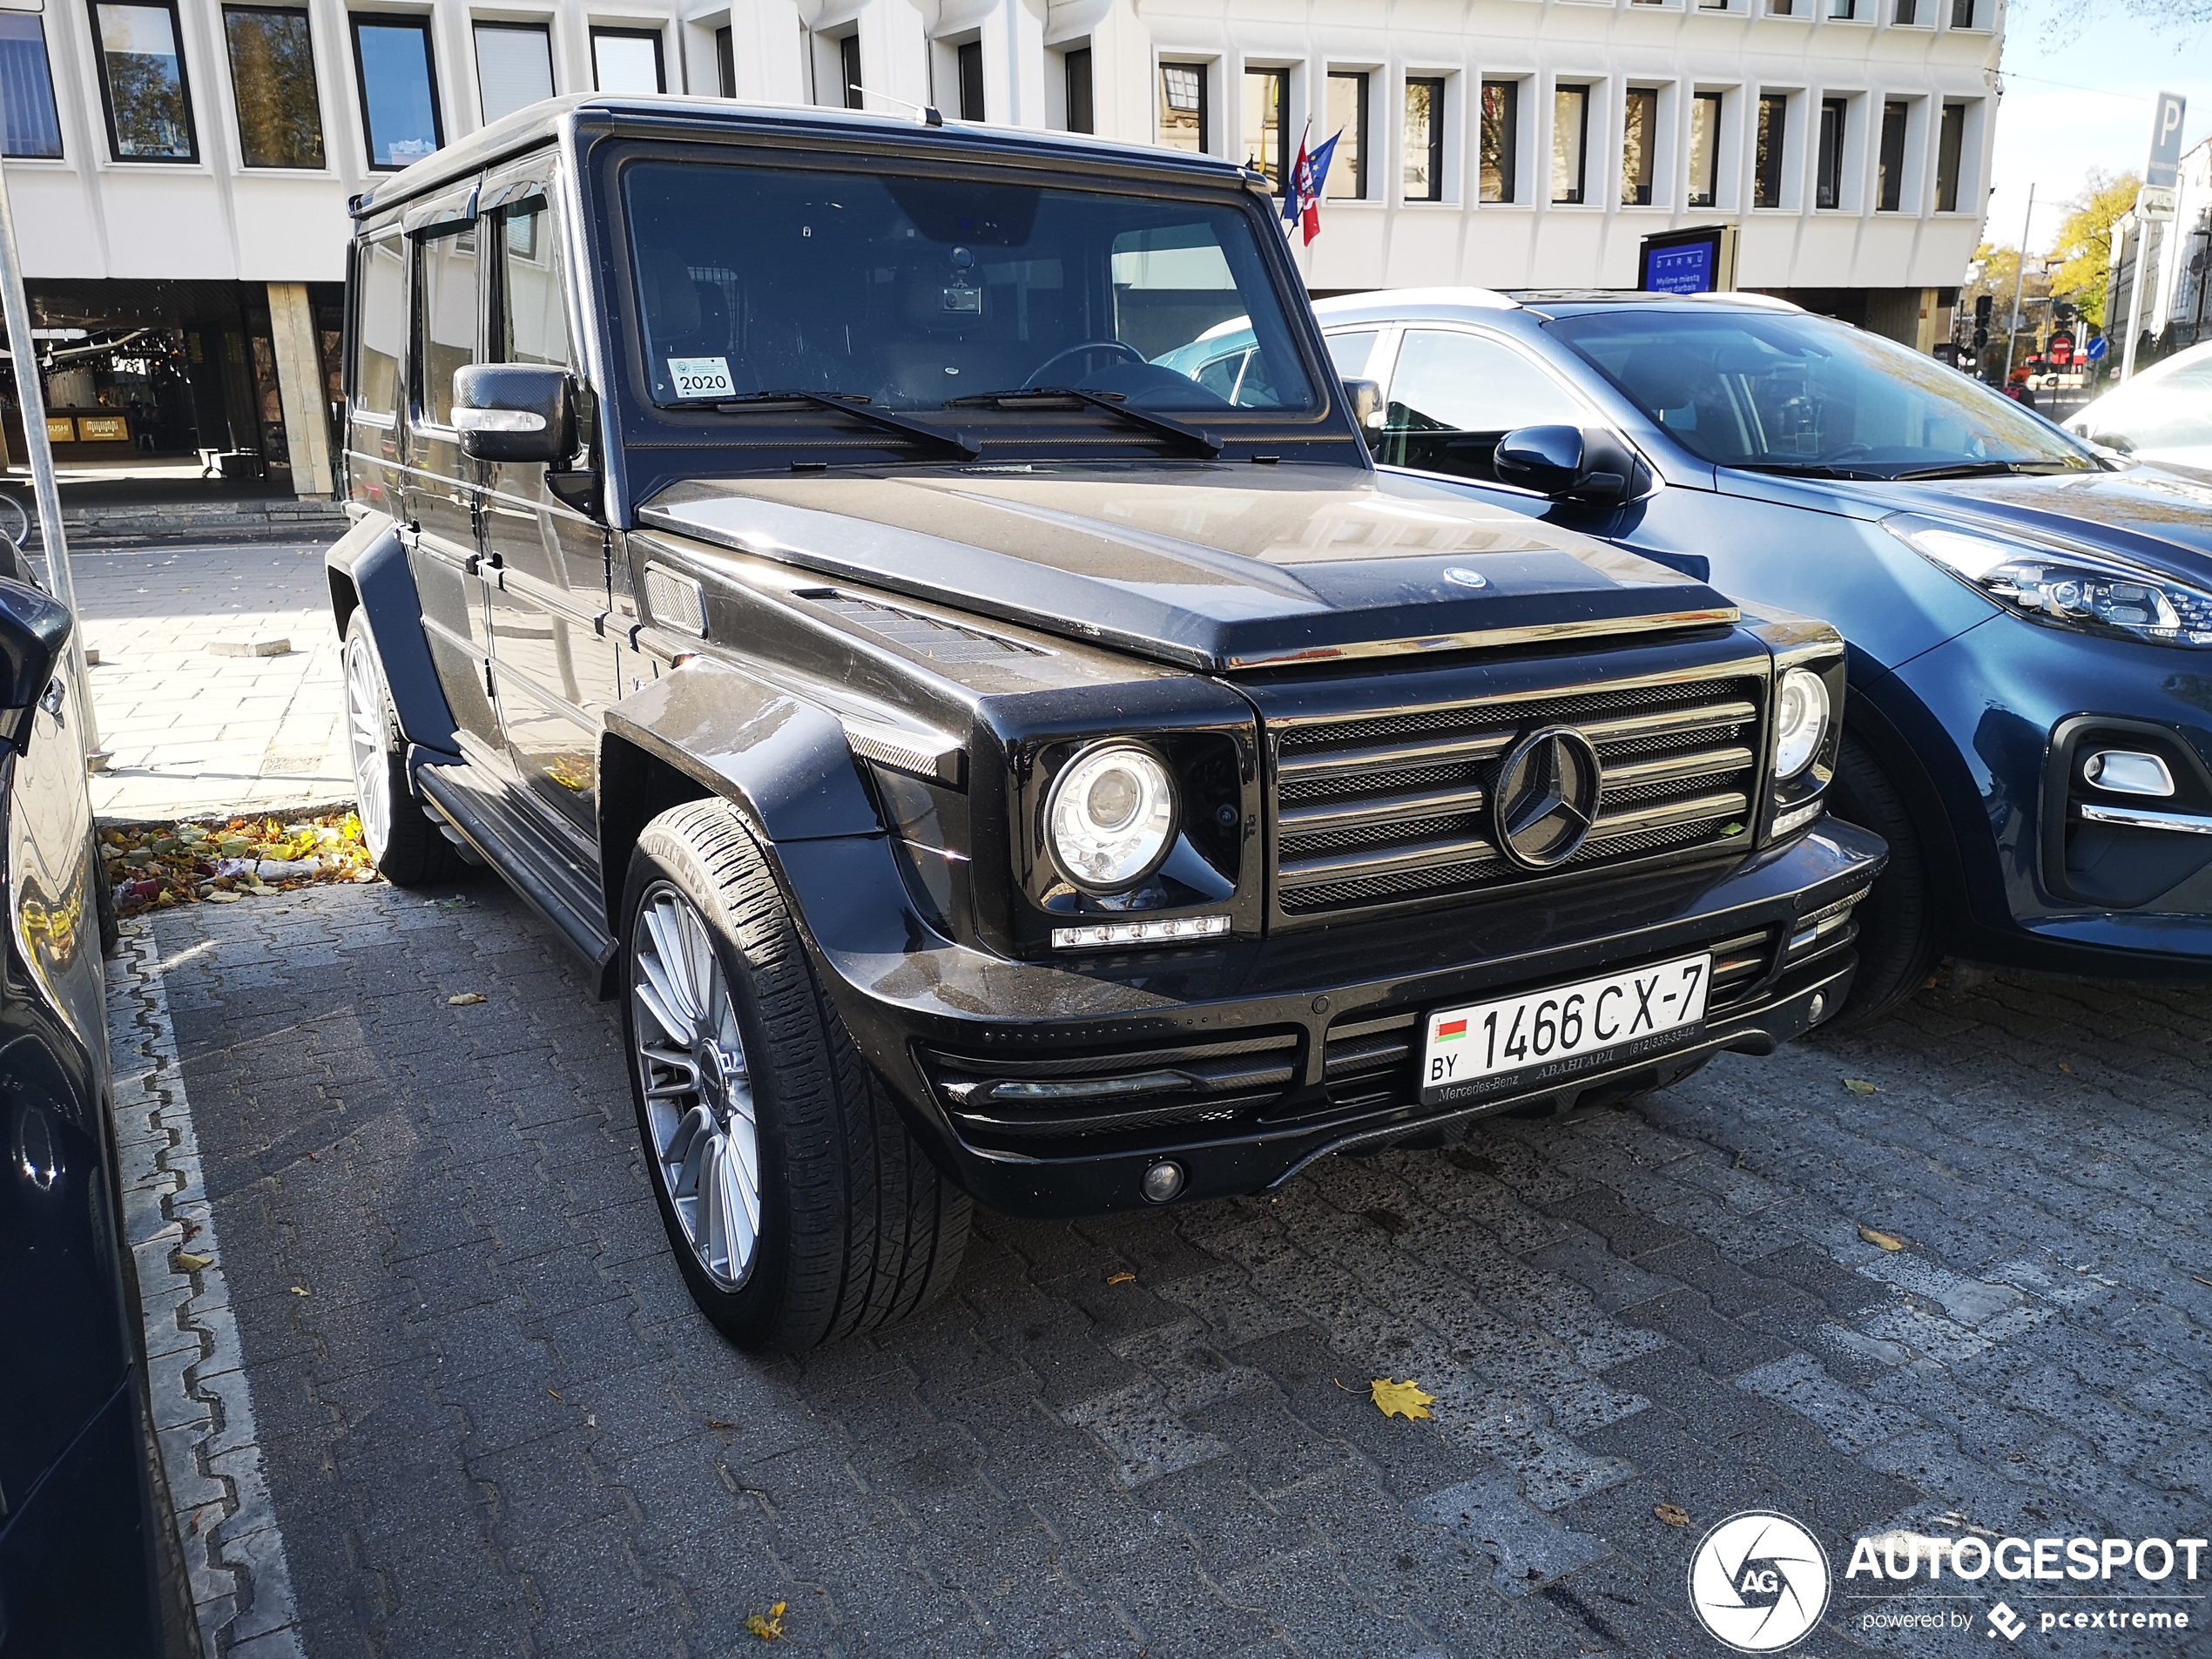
x,y
1309,173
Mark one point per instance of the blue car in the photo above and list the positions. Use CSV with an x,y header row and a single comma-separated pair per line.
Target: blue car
x,y
2029,619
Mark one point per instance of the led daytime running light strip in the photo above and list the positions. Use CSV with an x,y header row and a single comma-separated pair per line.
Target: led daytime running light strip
x,y
1139,933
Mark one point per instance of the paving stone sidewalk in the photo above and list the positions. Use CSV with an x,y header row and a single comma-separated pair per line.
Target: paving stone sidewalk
x,y
194,732
492,1423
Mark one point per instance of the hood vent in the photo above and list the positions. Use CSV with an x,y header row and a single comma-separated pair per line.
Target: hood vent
x,y
925,637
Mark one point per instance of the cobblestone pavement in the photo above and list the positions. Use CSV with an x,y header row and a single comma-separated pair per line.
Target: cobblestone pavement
x,y
194,732
492,1423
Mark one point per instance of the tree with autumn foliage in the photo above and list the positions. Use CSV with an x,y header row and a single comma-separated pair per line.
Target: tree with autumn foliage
x,y
2084,241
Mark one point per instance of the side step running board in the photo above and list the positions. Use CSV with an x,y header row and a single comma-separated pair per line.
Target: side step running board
x,y
529,859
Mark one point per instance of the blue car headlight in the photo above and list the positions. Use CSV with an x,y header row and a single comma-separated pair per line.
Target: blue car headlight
x,y
2066,587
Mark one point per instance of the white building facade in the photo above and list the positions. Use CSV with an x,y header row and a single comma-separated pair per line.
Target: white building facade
x,y
179,168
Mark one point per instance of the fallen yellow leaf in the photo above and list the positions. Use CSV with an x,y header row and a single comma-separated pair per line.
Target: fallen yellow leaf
x,y
1860,1085
769,1629
1399,1398
192,1263
1673,1513
1119,1278
467,999
1881,1240
300,1290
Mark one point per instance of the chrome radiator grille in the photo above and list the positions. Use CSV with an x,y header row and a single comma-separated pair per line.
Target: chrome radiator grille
x,y
1394,806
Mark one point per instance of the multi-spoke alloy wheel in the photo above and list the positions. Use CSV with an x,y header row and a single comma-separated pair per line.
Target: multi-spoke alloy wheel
x,y
369,736
407,848
697,1090
799,1208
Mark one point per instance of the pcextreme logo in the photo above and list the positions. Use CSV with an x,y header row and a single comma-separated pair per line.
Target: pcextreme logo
x,y
1759,1581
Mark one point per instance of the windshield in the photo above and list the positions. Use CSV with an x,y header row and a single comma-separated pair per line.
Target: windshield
x,y
915,292
1804,394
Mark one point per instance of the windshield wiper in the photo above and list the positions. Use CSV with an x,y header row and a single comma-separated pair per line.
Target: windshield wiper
x,y
1803,469
1988,469
955,443
1194,438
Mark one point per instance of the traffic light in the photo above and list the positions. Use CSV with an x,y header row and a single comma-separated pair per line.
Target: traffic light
x,y
1984,306
2063,311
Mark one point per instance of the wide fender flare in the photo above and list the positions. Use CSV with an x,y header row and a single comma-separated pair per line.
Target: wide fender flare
x,y
781,757
371,560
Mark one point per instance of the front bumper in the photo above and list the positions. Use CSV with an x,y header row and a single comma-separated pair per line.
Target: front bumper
x,y
1290,1048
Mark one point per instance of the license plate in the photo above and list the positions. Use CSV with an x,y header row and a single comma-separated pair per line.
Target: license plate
x,y
1528,1039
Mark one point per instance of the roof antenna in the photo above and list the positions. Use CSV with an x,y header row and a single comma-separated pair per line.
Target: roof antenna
x,y
926,113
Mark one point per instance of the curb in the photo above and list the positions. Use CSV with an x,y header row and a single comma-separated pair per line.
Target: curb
x,y
279,810
202,1405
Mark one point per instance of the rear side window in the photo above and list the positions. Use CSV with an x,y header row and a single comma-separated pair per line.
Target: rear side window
x,y
380,329
533,315
445,320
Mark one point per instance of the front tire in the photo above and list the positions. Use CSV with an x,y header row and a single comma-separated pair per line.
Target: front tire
x,y
1896,929
800,1207
408,849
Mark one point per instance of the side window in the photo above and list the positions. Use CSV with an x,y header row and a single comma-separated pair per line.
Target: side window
x,y
380,329
533,313
445,320
1351,351
1455,395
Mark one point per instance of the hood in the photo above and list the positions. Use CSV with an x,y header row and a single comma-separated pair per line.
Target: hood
x,y
2158,516
1209,566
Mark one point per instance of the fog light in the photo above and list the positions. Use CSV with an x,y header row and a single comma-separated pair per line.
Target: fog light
x,y
1162,1180
2128,771
1817,1008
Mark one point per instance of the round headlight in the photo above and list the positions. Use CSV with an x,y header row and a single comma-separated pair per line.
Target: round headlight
x,y
1800,721
1110,817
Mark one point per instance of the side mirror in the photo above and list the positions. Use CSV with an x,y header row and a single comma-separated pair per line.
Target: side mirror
x,y
1365,399
33,630
1563,461
513,411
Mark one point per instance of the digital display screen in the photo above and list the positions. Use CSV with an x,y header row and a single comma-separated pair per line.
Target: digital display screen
x,y
1687,267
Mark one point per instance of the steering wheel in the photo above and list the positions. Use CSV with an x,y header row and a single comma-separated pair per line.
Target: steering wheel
x,y
1037,375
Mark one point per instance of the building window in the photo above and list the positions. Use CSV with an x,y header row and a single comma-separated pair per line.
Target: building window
x,y
1348,120
1184,114
1890,188
848,69
725,63
1950,141
1081,117
1843,10
1908,12
1639,138
1570,138
970,59
514,67
627,60
1423,139
272,82
1828,187
1704,149
29,124
1962,14
1501,139
399,92
1766,168
143,83
1779,8
1267,123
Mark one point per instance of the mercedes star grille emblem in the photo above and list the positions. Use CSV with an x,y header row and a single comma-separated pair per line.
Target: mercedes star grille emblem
x,y
1547,798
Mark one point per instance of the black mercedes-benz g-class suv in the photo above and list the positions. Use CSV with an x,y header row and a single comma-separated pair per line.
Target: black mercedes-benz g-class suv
x,y
910,604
